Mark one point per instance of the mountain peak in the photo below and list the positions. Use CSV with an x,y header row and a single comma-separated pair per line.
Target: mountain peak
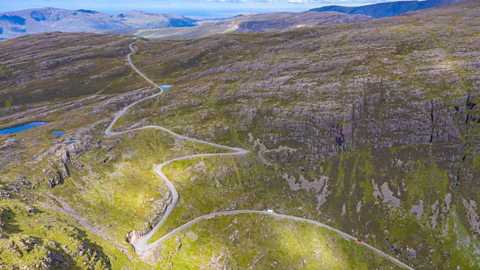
x,y
387,9
31,21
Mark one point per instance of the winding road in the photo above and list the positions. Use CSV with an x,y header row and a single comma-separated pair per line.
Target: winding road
x,y
141,245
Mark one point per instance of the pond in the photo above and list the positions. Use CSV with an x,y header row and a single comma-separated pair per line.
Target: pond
x,y
21,128
166,87
58,133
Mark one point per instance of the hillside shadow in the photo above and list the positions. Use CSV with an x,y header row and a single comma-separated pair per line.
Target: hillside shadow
x,y
11,224
95,247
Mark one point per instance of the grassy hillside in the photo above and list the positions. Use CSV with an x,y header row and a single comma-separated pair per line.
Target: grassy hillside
x,y
374,126
68,202
371,128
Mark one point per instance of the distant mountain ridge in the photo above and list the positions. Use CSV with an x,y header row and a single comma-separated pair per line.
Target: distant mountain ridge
x,y
32,21
254,23
139,19
388,9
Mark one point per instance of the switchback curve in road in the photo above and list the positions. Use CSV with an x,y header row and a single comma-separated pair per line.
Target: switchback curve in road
x,y
141,245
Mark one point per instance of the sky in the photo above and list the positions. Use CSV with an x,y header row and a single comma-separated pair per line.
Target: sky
x,y
205,8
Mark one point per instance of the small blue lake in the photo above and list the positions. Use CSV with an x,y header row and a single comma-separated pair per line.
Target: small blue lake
x,y
21,128
58,133
166,87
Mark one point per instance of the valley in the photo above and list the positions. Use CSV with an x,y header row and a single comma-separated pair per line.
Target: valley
x,y
339,146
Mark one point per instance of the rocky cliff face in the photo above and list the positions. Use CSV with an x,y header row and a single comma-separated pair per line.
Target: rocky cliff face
x,y
371,128
386,111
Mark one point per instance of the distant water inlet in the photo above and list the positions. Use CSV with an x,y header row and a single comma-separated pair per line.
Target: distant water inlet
x,y
21,128
166,87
